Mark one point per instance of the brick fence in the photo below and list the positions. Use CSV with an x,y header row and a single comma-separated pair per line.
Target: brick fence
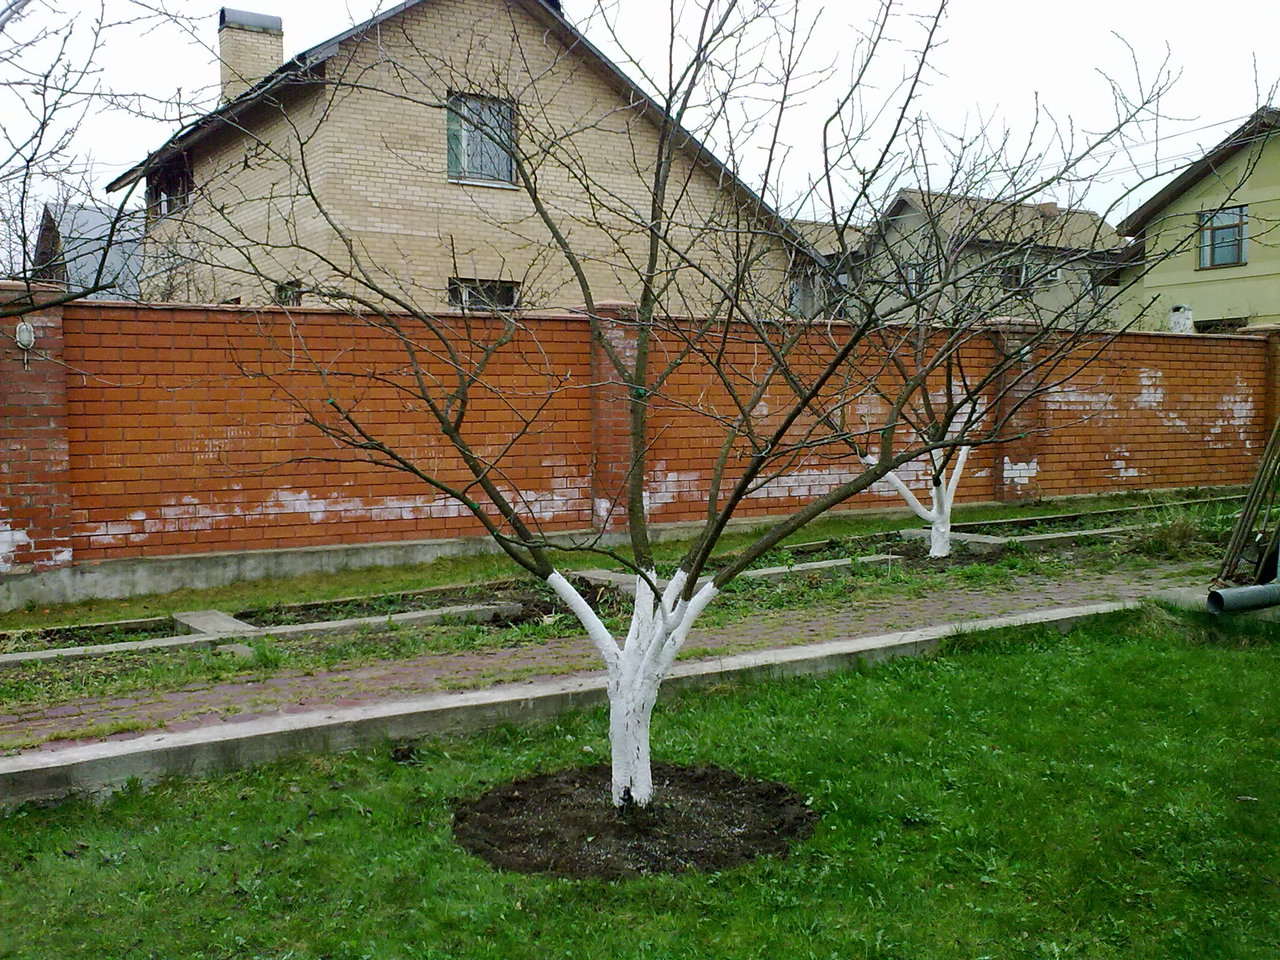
x,y
143,431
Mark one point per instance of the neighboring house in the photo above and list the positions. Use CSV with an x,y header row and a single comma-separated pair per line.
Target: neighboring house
x,y
423,152
989,257
90,248
1204,256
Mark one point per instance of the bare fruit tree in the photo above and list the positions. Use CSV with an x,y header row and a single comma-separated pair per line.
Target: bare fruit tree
x,y
929,294
50,82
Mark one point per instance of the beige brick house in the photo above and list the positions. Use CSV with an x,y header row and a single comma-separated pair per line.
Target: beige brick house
x,y
444,153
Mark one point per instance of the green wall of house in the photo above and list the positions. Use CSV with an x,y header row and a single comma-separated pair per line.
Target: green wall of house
x,y
1249,291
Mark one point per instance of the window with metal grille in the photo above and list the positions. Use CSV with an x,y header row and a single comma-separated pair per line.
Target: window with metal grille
x,y
481,138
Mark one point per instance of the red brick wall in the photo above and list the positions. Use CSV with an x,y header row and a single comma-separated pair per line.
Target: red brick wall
x,y
178,441
35,510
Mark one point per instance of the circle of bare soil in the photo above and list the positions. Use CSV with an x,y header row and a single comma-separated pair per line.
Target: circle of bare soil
x,y
565,824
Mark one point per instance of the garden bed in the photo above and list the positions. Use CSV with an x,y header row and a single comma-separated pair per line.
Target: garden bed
x,y
534,601
91,634
1205,507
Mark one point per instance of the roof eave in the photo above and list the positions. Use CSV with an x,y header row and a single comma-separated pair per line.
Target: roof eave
x,y
1267,118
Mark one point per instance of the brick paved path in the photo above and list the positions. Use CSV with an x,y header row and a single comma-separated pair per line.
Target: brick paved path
x,y
294,692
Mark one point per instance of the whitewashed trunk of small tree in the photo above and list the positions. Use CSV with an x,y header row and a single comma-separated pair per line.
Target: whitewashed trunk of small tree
x,y
629,715
944,495
940,522
636,667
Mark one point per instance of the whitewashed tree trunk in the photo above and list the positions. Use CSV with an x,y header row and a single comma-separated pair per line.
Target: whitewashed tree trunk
x,y
636,668
944,494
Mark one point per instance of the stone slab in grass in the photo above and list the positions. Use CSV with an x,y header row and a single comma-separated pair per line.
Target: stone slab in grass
x,y
211,621
826,568
627,581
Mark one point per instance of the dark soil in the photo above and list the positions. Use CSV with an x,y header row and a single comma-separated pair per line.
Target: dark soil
x,y
87,635
565,824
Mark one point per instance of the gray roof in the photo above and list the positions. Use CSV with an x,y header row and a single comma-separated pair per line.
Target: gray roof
x,y
89,247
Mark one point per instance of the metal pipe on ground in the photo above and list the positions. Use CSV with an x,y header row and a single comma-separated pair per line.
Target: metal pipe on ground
x,y
1237,599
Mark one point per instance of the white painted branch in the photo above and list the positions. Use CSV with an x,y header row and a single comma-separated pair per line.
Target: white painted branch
x,y
957,468
904,491
596,629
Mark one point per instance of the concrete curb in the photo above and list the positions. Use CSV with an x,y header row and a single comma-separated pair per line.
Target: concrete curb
x,y
99,768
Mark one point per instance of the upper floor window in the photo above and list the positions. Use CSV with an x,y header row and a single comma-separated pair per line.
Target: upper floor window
x,y
1024,275
481,138
1222,237
169,187
914,280
289,293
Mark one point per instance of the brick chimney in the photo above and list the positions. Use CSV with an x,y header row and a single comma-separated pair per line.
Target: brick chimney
x,y
250,46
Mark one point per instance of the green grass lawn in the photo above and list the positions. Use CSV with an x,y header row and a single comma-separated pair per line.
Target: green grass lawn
x,y
1108,794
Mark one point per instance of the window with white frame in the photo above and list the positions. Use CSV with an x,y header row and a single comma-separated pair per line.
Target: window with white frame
x,y
915,279
481,138
1026,275
473,294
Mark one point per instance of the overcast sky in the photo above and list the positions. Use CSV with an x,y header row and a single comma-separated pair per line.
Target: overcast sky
x,y
1000,58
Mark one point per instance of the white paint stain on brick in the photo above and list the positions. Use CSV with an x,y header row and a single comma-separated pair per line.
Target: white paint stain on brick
x,y
1120,468
1151,394
1238,413
10,541
1083,401
813,482
915,474
664,486
191,514
1020,473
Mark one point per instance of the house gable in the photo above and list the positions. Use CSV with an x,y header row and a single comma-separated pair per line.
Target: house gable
x,y
374,140
1241,174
